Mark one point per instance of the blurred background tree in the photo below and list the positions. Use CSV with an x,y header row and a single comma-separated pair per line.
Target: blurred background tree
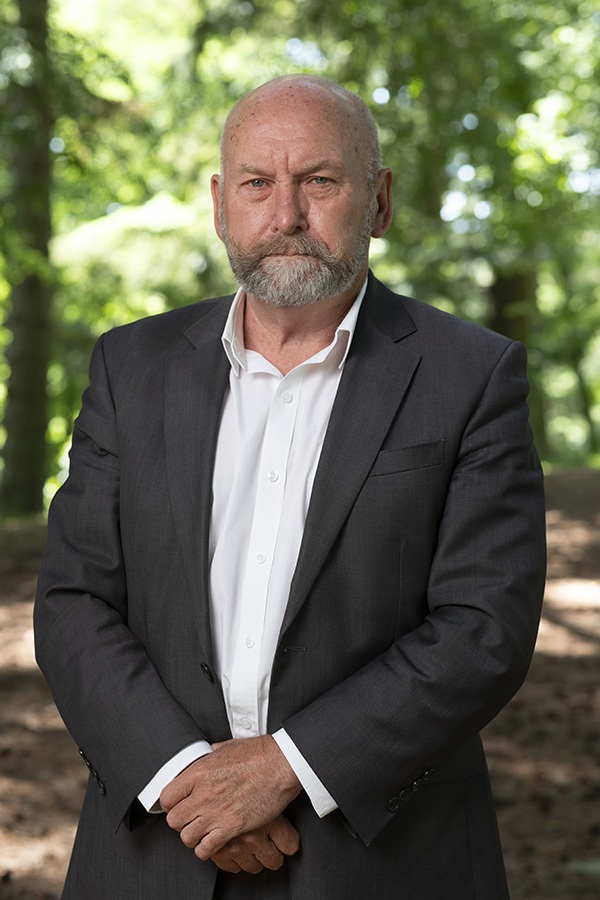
x,y
110,116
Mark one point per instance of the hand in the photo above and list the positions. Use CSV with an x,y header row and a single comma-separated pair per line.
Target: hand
x,y
240,787
262,848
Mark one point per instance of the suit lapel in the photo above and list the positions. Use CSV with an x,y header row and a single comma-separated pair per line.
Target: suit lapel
x,y
376,376
195,384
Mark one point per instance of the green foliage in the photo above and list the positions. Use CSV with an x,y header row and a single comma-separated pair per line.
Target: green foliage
x,y
488,114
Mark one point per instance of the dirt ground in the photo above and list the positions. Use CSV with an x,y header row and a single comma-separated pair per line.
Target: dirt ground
x,y
543,750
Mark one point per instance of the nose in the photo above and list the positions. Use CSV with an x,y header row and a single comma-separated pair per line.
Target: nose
x,y
290,209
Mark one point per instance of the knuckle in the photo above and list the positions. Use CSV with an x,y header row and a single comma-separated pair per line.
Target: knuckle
x,y
172,821
235,847
188,839
244,841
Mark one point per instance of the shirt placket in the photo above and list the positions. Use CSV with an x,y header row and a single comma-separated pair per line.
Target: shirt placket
x,y
268,509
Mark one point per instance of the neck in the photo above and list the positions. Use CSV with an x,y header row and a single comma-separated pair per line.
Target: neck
x,y
288,336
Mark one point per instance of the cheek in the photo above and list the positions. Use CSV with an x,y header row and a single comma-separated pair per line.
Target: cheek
x,y
340,221
339,235
246,224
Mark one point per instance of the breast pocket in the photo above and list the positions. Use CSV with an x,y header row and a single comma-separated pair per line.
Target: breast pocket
x,y
403,459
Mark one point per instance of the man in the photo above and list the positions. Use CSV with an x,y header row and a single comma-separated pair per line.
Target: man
x,y
298,561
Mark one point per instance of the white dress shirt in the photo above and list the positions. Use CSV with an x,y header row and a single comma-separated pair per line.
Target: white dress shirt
x,y
268,448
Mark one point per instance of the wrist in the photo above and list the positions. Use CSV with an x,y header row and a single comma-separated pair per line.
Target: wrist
x,y
288,780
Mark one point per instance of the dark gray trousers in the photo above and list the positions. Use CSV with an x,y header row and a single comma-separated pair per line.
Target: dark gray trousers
x,y
266,885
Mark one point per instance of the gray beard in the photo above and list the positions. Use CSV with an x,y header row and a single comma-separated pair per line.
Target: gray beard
x,y
314,274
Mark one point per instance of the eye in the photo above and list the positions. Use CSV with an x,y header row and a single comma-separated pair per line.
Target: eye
x,y
257,182
321,179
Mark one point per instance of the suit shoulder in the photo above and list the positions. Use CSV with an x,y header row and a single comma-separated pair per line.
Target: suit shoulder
x,y
451,326
166,332
434,326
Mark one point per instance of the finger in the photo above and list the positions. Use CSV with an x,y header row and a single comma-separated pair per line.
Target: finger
x,y
180,816
235,857
169,798
187,811
174,792
285,837
212,843
255,845
192,833
251,852
226,863
250,864
182,785
269,856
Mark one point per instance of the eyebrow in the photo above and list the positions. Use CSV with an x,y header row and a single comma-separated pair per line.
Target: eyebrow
x,y
322,164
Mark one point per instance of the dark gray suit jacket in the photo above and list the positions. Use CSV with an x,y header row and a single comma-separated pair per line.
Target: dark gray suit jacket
x,y
411,618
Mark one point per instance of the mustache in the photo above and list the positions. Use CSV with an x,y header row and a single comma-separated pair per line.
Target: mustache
x,y
297,245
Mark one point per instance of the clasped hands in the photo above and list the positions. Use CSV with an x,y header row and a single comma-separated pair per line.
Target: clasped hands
x,y
227,806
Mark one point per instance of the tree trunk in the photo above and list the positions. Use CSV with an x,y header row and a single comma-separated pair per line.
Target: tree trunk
x,y
587,401
30,109
538,412
513,301
513,296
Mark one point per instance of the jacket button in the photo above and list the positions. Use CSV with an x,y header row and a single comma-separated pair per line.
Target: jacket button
x,y
393,804
207,673
418,784
428,774
406,794
102,788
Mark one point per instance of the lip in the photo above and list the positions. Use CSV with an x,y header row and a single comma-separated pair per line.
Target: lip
x,y
290,255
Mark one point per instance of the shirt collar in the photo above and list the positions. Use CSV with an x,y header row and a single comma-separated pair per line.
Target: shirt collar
x,y
233,333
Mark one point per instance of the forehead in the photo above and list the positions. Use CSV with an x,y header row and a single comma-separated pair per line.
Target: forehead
x,y
296,125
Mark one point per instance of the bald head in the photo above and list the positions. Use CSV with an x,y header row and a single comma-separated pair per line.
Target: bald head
x,y
326,98
301,192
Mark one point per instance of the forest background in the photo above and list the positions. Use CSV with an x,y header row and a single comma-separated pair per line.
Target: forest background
x,y
489,114
110,116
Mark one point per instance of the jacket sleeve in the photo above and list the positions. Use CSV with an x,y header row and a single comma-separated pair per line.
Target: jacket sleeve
x,y
415,706
110,695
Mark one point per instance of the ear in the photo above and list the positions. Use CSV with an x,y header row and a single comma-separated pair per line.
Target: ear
x,y
383,193
215,189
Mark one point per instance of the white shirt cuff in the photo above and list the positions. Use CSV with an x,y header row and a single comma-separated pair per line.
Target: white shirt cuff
x,y
150,795
322,801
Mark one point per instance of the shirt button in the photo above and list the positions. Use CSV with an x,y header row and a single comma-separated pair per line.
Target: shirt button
x,y
287,397
249,642
261,558
272,476
246,723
